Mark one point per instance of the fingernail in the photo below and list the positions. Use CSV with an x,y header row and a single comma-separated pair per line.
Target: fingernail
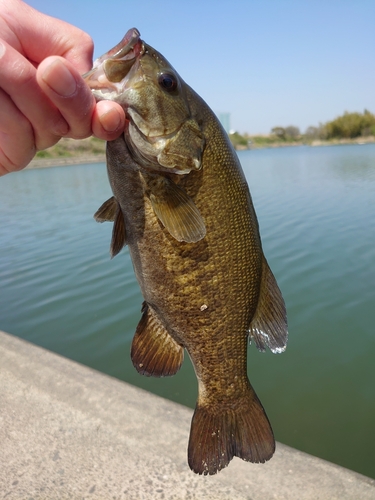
x,y
111,120
2,49
59,79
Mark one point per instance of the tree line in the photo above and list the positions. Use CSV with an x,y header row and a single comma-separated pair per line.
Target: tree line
x,y
346,126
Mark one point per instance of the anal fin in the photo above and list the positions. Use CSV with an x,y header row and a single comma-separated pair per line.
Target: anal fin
x,y
154,352
269,324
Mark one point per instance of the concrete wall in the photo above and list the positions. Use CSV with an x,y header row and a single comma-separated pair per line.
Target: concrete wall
x,y
69,432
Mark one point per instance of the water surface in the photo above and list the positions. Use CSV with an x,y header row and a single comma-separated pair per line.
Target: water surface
x,y
316,209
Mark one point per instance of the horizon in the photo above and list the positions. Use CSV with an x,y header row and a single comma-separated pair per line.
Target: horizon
x,y
267,64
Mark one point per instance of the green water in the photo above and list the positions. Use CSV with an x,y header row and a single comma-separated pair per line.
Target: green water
x,y
316,208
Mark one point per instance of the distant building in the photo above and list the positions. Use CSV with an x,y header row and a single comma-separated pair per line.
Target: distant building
x,y
224,119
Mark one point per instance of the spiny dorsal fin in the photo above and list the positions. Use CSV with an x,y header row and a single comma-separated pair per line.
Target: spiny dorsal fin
x,y
269,324
107,212
154,352
118,240
175,209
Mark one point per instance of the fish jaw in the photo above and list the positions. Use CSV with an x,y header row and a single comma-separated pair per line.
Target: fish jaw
x,y
108,76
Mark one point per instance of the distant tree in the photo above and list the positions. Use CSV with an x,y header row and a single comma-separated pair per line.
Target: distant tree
x,y
292,132
312,132
279,132
238,140
350,125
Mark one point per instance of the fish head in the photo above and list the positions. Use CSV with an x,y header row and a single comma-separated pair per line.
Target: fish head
x,y
160,132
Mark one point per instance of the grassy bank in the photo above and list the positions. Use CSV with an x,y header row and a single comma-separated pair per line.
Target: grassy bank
x,y
69,148
69,152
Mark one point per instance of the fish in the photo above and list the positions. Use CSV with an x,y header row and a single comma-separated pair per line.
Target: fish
x,y
182,205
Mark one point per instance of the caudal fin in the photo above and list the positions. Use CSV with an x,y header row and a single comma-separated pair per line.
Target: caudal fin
x,y
217,436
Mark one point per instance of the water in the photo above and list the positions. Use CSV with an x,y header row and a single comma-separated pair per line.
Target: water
x,y
316,208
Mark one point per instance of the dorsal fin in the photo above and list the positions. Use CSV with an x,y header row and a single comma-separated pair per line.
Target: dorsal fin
x,y
269,324
175,209
154,352
107,212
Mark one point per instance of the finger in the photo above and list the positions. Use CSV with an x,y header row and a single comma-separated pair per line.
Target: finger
x,y
17,146
108,120
66,89
38,36
18,80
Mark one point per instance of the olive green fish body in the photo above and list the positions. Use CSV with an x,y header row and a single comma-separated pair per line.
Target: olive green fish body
x,y
194,241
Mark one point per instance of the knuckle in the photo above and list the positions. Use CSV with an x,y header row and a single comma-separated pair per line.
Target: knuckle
x,y
9,164
56,128
23,75
45,142
79,134
87,42
20,127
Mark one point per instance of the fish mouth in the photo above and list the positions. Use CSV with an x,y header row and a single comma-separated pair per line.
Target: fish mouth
x,y
106,78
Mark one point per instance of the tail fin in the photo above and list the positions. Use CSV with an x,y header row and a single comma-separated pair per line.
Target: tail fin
x,y
217,436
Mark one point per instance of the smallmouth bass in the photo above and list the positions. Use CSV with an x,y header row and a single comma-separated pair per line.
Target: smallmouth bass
x,y
182,205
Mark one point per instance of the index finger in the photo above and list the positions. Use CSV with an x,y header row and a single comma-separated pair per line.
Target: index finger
x,y
66,89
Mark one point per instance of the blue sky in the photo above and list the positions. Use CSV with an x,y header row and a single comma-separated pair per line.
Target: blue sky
x,y
266,62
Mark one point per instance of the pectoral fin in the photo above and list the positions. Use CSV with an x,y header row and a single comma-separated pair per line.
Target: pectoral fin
x,y
175,209
154,352
111,211
118,240
107,212
269,324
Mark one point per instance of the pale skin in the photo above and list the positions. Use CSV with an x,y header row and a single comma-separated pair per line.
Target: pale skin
x,y
42,94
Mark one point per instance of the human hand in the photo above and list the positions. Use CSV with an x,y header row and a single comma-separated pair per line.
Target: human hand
x,y
42,94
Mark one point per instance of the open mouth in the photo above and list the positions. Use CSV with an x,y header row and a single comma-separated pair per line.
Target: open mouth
x,y
113,66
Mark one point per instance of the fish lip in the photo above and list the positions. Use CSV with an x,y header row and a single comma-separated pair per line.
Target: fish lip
x,y
120,50
129,49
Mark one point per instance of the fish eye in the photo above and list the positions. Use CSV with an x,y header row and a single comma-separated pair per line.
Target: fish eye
x,y
168,82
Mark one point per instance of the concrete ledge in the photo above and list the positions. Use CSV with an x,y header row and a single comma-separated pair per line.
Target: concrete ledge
x,y
67,431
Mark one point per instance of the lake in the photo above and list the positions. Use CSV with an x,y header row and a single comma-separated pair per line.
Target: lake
x,y
316,209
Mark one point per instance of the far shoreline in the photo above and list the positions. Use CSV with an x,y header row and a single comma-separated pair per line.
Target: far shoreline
x,y
101,158
66,161
315,143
